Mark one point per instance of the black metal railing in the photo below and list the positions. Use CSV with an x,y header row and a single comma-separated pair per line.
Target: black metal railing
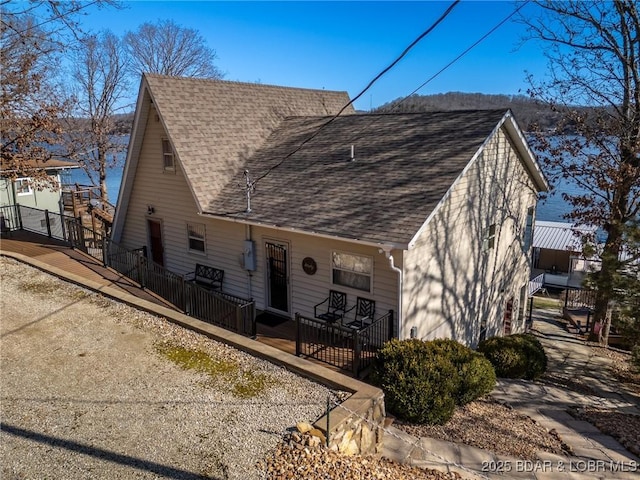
x,y
338,345
218,308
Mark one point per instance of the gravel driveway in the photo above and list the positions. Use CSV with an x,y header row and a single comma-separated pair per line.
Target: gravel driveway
x,y
91,388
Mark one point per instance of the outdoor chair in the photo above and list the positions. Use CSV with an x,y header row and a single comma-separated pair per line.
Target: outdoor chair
x,y
207,277
365,310
336,306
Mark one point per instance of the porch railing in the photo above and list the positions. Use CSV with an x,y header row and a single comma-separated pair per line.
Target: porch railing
x,y
218,308
338,345
580,298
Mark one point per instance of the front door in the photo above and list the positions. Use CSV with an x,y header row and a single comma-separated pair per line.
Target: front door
x,y
508,316
155,240
277,276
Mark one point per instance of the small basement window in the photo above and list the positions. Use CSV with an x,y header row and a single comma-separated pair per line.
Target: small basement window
x,y
353,271
167,155
196,237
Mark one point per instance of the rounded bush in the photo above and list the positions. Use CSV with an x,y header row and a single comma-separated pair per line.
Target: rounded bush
x,y
476,376
424,381
515,356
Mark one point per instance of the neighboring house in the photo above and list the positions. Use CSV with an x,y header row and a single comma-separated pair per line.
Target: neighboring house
x,y
34,191
19,188
557,253
428,214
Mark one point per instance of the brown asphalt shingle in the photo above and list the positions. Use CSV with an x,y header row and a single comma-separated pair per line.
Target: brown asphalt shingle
x,y
404,164
215,126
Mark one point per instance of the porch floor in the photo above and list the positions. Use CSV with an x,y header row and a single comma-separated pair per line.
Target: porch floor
x,y
58,254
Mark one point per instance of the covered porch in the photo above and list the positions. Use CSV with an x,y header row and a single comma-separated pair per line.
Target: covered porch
x,y
334,345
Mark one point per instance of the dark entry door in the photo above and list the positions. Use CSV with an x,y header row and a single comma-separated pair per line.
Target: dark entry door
x,y
155,239
278,281
508,316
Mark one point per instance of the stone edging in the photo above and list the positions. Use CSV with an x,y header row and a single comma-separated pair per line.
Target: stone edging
x,y
355,426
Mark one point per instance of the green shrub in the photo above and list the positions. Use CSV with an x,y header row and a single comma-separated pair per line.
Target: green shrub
x,y
515,356
424,381
476,374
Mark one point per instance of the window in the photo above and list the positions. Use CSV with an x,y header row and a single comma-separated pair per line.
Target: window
x,y
354,271
196,238
167,155
23,186
528,229
522,304
489,238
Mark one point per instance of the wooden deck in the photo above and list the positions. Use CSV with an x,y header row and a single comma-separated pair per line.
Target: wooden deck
x,y
60,255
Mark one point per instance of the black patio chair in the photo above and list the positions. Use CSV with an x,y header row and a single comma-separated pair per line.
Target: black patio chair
x,y
336,307
365,310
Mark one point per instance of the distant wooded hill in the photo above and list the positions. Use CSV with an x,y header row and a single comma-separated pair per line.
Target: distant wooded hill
x,y
526,110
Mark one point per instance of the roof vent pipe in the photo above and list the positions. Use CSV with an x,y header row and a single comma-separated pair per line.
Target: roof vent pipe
x,y
353,153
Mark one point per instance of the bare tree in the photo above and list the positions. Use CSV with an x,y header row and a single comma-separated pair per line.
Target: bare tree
x,y
169,49
593,50
33,36
100,71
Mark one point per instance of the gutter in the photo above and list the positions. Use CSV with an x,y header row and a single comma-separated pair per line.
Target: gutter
x,y
398,270
383,246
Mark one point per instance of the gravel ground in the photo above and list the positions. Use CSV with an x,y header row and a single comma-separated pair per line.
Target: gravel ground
x,y
623,427
489,425
87,392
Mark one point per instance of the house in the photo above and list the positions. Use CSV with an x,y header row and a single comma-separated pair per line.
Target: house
x,y
44,193
428,214
558,253
29,188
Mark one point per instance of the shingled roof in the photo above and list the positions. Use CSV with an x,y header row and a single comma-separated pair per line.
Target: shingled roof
x,y
404,165
215,126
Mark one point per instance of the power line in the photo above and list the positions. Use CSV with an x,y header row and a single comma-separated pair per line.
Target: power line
x,y
375,79
397,105
508,17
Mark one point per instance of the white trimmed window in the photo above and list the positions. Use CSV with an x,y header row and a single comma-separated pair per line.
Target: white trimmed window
x,y
196,237
353,271
489,238
167,155
528,229
23,186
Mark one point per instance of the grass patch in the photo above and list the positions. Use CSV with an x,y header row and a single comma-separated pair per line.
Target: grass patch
x,y
544,302
242,383
39,287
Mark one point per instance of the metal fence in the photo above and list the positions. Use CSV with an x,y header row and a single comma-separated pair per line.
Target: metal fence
x,y
338,345
215,307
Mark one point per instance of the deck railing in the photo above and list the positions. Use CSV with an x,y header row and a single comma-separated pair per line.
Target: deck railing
x,y
338,345
218,308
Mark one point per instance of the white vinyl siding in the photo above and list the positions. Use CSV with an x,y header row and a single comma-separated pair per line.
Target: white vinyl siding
x,y
452,287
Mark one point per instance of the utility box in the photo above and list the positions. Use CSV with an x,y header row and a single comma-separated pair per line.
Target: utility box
x,y
249,255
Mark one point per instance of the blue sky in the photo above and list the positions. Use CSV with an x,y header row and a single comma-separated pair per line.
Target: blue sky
x,y
343,45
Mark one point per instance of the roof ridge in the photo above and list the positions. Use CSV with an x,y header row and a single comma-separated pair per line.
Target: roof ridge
x,y
236,82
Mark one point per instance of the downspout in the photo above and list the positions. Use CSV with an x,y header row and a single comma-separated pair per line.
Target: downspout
x,y
249,273
398,270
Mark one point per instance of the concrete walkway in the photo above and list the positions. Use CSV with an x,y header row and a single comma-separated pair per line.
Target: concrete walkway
x,y
596,456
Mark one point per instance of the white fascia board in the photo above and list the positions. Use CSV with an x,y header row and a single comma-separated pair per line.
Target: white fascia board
x,y
529,157
381,245
131,161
